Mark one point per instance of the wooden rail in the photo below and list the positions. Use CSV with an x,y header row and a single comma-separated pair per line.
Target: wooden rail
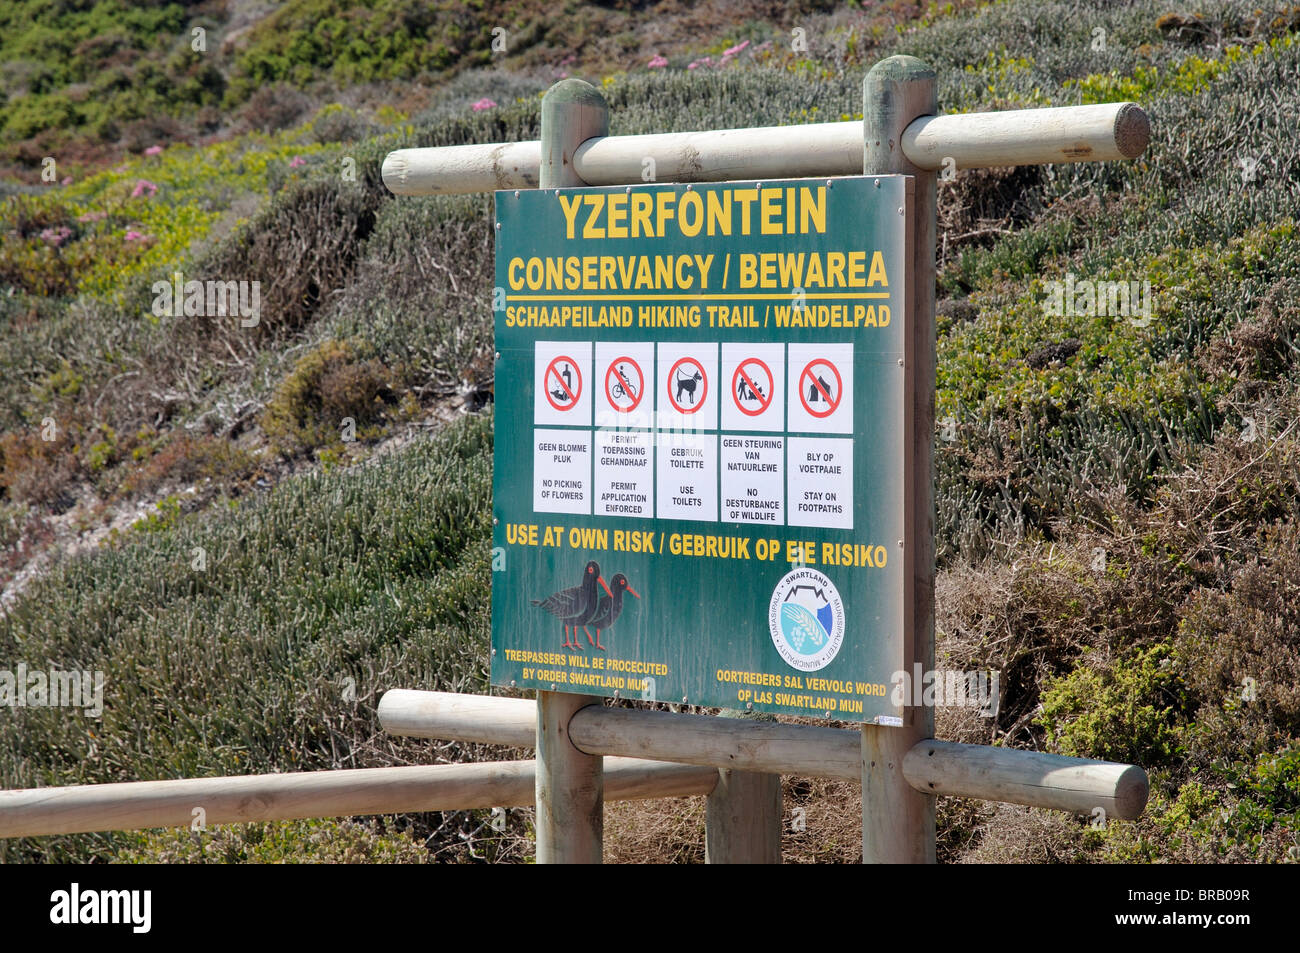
x,y
1076,785
138,805
970,140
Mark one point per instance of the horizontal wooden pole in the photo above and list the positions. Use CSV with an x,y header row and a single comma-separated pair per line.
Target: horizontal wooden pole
x,y
970,140
452,717
139,805
1076,785
1102,132
764,746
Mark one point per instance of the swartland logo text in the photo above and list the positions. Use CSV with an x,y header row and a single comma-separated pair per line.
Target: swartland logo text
x,y
210,299
75,906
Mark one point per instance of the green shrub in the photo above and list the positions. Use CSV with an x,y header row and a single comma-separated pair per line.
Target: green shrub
x,y
323,841
1126,711
375,577
327,386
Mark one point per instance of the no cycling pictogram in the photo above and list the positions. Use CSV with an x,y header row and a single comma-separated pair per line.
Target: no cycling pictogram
x,y
746,389
624,387
562,383
814,388
684,385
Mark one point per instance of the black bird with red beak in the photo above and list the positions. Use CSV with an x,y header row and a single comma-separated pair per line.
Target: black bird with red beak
x,y
576,605
610,608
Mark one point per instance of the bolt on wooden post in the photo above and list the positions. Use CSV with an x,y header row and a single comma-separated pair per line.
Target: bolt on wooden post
x,y
898,820
570,784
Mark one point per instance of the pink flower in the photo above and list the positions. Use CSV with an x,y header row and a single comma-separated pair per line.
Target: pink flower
x,y
483,104
735,49
91,217
153,151
143,187
658,62
297,161
67,180
56,236
133,236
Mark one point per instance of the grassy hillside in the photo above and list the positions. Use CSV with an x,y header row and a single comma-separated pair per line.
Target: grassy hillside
x,y
1118,500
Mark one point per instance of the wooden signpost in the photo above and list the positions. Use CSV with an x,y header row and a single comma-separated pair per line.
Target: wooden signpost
x,y
548,385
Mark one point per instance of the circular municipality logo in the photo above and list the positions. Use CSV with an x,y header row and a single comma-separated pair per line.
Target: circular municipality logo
x,y
806,618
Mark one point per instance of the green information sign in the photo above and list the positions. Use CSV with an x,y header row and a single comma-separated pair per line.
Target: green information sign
x,y
700,443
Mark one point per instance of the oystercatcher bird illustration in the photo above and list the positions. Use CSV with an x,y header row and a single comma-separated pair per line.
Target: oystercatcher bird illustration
x,y
610,608
576,605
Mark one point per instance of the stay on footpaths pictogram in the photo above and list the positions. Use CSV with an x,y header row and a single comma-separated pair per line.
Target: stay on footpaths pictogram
x,y
563,383
624,384
688,385
751,395
820,388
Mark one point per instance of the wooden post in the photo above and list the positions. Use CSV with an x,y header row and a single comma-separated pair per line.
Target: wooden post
x,y
570,784
742,820
897,820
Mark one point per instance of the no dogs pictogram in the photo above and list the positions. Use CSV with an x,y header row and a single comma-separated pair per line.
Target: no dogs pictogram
x,y
688,385
624,384
752,397
562,383
820,388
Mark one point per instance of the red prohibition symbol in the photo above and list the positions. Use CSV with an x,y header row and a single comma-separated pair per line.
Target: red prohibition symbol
x,y
624,388
744,387
818,395
562,383
684,385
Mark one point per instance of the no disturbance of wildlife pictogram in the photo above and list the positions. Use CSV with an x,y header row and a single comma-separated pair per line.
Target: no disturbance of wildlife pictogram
x,y
750,389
